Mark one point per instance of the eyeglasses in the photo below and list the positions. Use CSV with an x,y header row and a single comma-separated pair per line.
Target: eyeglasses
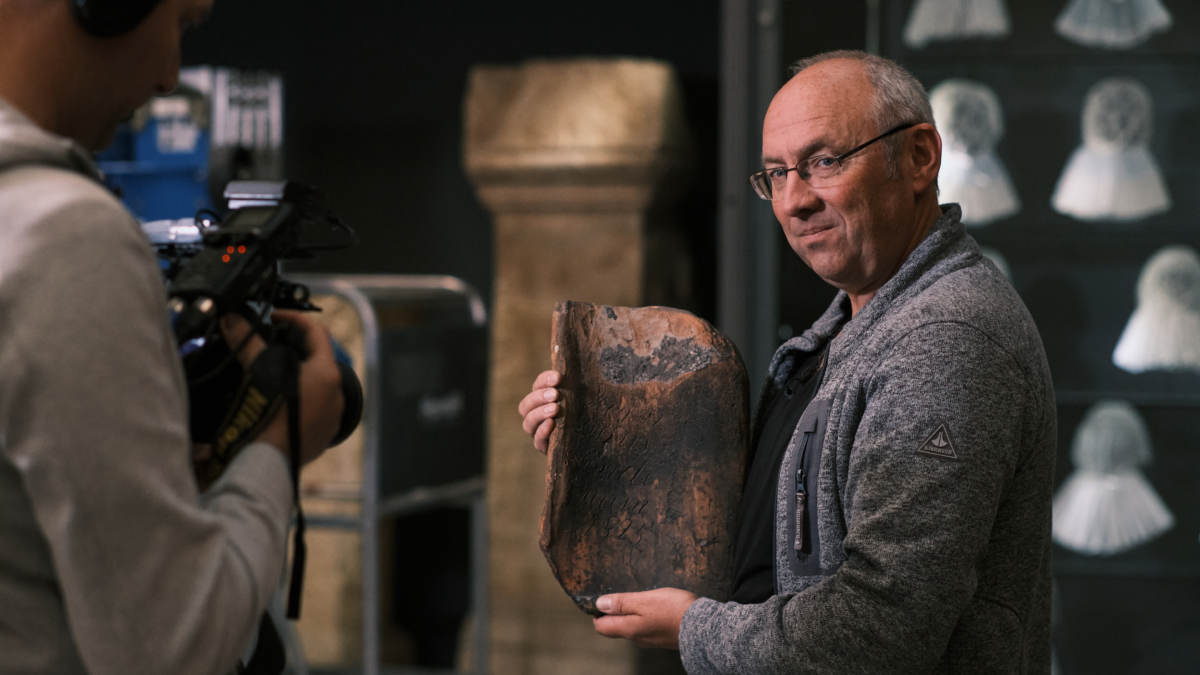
x,y
817,171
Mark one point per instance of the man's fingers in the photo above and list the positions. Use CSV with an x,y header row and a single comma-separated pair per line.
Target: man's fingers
x,y
541,439
615,604
621,617
536,416
548,378
235,329
649,618
201,452
617,626
536,399
539,407
316,338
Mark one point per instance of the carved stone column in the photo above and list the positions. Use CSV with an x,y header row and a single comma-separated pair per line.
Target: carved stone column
x,y
579,162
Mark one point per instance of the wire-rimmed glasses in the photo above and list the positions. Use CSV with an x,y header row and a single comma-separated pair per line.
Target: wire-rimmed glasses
x,y
817,171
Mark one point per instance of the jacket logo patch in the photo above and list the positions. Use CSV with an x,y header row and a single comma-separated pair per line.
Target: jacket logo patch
x,y
939,444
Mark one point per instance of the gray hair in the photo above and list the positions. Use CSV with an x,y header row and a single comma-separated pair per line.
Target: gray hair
x,y
899,98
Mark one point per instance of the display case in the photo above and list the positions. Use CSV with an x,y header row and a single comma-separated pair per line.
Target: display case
x,y
1134,610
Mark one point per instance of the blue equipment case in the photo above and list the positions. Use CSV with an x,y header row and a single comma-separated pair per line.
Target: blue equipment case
x,y
160,171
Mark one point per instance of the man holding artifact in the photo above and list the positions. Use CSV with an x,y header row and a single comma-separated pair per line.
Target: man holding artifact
x,y
896,516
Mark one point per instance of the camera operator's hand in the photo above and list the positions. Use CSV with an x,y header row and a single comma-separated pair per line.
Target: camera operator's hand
x,y
201,455
320,382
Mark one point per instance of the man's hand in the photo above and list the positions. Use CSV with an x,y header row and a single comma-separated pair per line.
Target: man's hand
x,y
320,383
539,409
650,618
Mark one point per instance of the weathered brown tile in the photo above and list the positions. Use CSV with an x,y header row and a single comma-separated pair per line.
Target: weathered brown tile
x,y
647,465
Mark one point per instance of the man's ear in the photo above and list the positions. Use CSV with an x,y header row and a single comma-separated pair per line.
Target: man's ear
x,y
926,157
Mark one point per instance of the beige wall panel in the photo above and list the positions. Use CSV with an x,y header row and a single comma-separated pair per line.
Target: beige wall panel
x,y
330,625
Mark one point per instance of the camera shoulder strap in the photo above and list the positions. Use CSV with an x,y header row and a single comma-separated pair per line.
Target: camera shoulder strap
x,y
272,380
299,549
259,397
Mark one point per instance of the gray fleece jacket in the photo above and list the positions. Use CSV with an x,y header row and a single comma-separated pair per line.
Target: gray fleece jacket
x,y
937,421
110,562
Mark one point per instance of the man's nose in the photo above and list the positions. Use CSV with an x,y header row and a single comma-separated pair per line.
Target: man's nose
x,y
168,75
798,196
167,83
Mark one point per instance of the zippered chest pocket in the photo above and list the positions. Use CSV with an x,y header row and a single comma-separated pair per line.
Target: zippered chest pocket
x,y
798,478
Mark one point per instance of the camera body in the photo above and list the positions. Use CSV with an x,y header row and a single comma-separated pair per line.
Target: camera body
x,y
211,268
236,261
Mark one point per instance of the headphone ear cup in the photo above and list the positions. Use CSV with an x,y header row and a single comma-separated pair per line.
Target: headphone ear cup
x,y
110,18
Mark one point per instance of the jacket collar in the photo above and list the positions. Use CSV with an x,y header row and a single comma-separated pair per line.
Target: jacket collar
x,y
23,142
945,249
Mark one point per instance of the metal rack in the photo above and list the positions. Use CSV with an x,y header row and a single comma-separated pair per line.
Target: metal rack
x,y
465,311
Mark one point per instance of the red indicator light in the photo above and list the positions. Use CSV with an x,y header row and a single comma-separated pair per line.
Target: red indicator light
x,y
225,257
241,249
229,250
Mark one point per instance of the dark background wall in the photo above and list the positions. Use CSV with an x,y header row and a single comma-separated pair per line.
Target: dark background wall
x,y
373,115
810,27
374,107
1137,611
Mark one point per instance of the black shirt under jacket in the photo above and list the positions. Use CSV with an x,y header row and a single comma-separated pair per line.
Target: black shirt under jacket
x,y
754,550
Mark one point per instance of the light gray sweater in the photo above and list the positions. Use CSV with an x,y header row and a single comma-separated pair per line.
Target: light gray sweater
x,y
930,563
110,562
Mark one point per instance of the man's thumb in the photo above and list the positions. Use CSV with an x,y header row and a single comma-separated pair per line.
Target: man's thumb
x,y
610,604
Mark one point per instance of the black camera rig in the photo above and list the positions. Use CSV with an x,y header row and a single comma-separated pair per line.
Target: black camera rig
x,y
213,267
238,260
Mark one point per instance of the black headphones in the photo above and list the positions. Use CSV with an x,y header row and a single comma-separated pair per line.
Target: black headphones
x,y
110,18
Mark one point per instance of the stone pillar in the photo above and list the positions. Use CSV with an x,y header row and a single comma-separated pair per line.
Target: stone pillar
x,y
579,161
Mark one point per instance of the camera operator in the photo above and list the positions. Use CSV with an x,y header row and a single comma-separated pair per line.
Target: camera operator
x,y
111,560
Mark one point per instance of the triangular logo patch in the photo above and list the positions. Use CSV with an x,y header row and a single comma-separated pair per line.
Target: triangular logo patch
x,y
939,444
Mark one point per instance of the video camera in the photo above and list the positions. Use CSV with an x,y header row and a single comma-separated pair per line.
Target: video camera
x,y
212,267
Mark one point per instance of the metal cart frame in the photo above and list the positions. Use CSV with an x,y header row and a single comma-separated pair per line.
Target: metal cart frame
x,y
356,289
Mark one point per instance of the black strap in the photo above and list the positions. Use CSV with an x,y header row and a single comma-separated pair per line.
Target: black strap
x,y
299,550
251,413
272,380
270,656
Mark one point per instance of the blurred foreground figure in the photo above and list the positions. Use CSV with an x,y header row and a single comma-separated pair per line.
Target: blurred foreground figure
x,y
896,516
111,561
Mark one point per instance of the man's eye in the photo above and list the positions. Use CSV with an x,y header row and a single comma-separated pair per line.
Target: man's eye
x,y
823,163
777,174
